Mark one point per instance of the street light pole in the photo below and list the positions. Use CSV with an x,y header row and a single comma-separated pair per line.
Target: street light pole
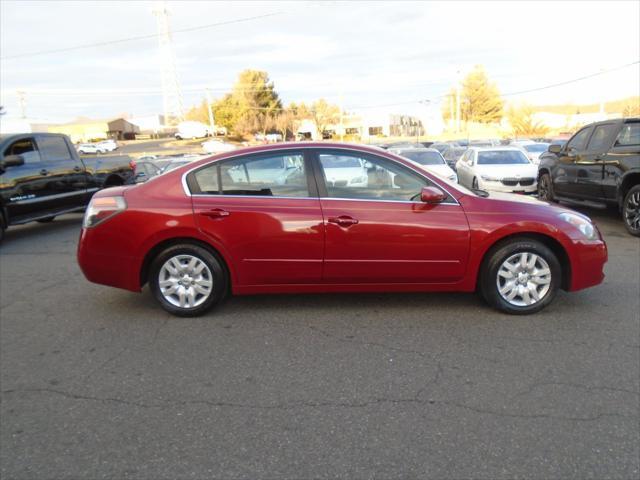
x,y
212,124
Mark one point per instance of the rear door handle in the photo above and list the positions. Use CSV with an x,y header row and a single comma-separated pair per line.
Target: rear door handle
x,y
215,213
343,220
44,171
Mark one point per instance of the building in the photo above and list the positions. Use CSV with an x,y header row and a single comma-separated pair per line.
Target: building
x,y
86,130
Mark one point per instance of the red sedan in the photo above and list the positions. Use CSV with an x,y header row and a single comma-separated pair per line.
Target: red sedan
x,y
326,217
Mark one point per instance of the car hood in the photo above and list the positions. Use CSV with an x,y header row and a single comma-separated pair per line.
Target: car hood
x,y
501,171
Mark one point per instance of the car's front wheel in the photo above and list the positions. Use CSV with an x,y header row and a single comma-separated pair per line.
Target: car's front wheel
x,y
520,276
631,211
187,280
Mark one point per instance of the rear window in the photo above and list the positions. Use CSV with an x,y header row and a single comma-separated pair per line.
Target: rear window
x,y
504,157
424,158
537,147
53,148
629,135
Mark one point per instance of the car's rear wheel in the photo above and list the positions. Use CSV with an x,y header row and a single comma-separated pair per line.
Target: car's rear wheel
x,y
520,276
545,188
187,280
631,211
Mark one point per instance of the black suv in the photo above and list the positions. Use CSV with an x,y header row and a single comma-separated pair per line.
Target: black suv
x,y
598,166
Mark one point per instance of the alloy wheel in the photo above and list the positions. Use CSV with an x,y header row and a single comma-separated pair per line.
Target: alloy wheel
x,y
185,281
524,279
632,211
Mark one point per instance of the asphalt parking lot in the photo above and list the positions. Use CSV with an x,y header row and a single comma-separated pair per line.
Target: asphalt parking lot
x,y
101,383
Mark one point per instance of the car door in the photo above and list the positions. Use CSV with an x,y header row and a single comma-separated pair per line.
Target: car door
x,y
565,175
378,231
590,164
264,210
24,190
625,147
64,172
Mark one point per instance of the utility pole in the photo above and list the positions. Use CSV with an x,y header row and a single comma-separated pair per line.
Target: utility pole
x,y
171,93
341,120
212,123
22,99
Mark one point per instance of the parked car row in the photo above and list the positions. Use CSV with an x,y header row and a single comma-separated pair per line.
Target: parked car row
x,y
104,146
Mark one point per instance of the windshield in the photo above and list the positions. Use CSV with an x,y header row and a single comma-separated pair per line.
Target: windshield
x,y
536,147
330,161
424,158
501,157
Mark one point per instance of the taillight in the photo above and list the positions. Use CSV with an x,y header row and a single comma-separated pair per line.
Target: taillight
x,y
102,208
132,164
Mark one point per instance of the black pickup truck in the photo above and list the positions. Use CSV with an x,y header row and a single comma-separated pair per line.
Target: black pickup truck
x,y
41,176
597,167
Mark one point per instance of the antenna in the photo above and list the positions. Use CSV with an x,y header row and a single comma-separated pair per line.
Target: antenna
x,y
171,94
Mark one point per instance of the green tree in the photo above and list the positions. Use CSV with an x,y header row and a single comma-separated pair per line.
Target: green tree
x,y
523,122
479,98
324,114
198,113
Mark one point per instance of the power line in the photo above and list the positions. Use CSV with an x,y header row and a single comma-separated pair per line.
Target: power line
x,y
139,37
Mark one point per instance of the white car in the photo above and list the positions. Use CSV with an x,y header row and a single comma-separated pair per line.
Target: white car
x,y
533,150
498,169
85,148
191,130
344,171
108,145
428,159
216,146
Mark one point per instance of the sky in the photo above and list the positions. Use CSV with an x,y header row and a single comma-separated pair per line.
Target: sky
x,y
364,55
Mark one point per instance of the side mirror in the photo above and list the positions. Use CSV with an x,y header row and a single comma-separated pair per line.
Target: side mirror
x,y
555,148
432,195
12,161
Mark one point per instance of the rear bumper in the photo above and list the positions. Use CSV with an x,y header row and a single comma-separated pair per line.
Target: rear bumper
x,y
101,266
587,264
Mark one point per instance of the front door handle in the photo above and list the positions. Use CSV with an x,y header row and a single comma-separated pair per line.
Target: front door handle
x,y
44,171
215,213
343,220
76,168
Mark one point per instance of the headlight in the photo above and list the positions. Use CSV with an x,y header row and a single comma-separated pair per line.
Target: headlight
x,y
488,178
102,208
581,223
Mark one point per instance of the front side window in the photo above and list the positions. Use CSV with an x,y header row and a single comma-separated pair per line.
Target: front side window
x,y
25,147
629,135
275,175
352,176
600,140
579,140
53,148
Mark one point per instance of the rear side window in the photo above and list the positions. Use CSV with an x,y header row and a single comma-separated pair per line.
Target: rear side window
x,y
629,135
53,148
277,175
25,147
579,140
601,138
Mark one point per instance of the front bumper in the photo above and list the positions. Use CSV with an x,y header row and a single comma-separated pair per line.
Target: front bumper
x,y
500,187
587,263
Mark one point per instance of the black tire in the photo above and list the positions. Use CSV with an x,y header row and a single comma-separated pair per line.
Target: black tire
x,y
545,188
219,279
631,211
474,184
46,220
495,259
